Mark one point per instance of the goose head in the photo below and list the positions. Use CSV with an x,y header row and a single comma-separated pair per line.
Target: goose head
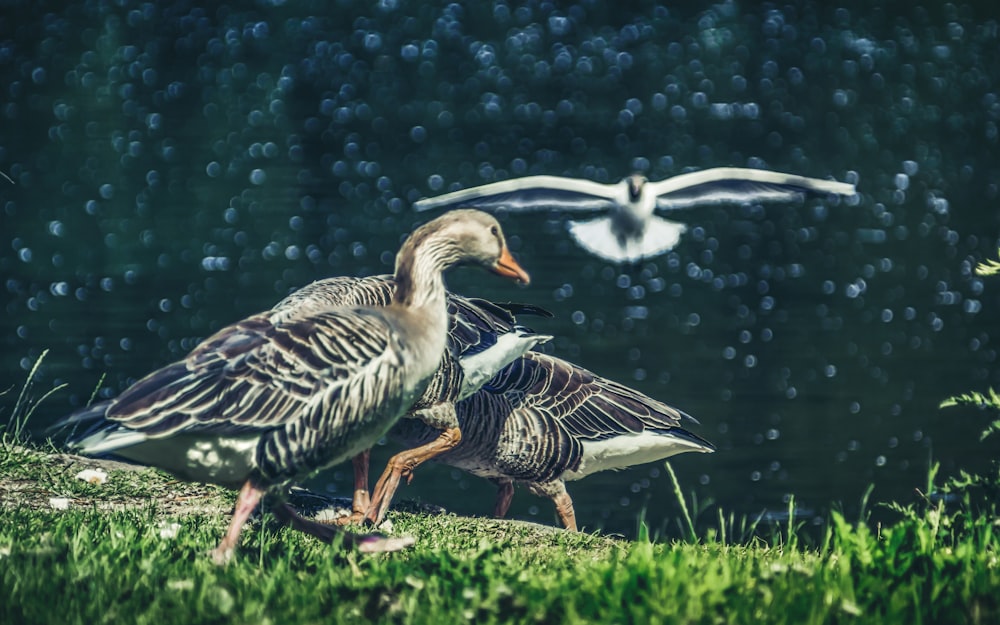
x,y
459,237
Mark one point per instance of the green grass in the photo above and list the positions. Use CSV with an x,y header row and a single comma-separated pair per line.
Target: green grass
x,y
104,560
134,550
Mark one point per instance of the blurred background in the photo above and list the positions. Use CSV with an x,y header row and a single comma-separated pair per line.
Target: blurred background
x,y
175,167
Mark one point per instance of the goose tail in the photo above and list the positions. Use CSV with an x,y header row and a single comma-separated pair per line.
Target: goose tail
x,y
89,432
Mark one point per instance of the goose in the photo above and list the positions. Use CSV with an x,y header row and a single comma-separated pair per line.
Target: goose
x,y
273,398
632,232
483,337
543,421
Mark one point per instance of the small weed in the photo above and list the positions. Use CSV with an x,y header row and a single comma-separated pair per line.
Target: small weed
x,y
988,268
986,401
24,407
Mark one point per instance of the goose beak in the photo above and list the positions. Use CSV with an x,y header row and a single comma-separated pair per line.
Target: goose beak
x,y
506,266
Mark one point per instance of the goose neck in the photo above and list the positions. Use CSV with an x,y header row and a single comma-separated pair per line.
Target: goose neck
x,y
419,283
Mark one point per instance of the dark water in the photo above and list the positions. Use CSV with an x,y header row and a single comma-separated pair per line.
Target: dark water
x,y
176,168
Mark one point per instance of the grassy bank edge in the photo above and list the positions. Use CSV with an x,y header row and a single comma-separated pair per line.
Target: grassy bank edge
x,y
134,548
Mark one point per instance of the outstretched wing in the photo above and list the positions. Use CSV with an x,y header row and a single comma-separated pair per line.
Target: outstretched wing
x,y
738,184
529,193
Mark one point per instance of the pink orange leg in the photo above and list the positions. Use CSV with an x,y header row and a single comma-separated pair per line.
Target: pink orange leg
x,y
564,508
361,501
505,494
402,465
247,500
556,491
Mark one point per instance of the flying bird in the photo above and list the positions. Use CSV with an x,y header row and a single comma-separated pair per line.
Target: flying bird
x,y
631,232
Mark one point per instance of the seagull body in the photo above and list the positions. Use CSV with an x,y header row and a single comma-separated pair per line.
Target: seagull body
x,y
273,398
631,231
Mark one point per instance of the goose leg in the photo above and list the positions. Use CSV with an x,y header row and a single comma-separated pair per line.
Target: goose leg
x,y
505,494
556,491
361,500
402,465
365,543
247,500
564,508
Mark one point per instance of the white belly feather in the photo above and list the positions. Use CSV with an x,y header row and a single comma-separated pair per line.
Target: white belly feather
x,y
619,452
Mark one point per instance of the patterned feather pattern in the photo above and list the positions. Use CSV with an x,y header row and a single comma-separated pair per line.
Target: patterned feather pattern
x,y
285,381
284,393
308,384
531,421
474,324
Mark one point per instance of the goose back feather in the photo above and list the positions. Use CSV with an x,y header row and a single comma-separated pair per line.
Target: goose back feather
x,y
483,336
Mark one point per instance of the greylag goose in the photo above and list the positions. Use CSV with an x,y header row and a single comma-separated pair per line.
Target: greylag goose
x,y
632,232
543,421
273,398
483,337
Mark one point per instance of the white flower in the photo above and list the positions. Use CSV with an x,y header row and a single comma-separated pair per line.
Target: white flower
x,y
169,530
93,476
328,515
59,503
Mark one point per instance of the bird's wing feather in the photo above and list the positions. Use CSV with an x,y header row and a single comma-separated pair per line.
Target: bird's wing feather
x,y
534,447
738,184
255,375
566,393
529,193
477,324
473,326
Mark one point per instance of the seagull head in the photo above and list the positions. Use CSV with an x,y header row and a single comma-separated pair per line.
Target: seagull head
x,y
635,182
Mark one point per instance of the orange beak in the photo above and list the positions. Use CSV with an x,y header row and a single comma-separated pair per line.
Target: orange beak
x,y
506,266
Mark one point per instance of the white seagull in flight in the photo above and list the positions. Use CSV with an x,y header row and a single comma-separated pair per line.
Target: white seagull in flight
x,y
631,231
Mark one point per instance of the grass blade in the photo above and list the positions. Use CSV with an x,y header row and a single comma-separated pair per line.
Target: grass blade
x,y
689,524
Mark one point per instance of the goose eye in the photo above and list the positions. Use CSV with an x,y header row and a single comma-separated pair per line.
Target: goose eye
x,y
495,231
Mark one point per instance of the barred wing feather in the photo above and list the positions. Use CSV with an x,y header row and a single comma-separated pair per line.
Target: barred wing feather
x,y
256,375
